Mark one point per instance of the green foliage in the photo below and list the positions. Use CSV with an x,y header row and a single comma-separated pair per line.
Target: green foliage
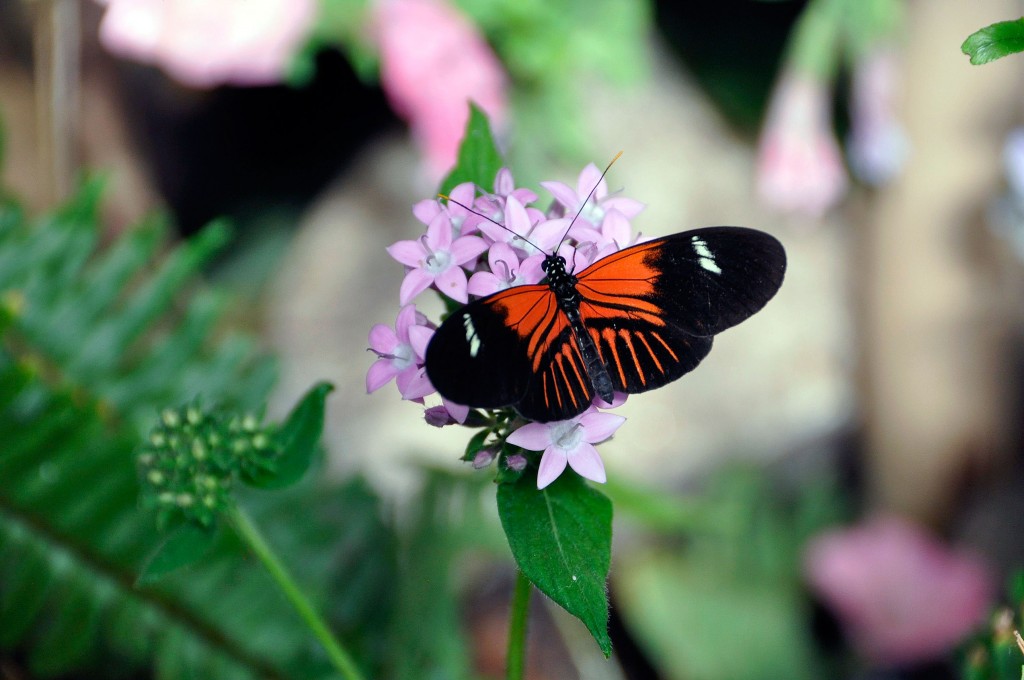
x,y
93,342
479,159
448,522
996,652
995,41
561,538
736,580
552,50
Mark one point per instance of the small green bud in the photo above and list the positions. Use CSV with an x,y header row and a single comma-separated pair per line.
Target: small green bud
x,y
185,500
157,439
193,415
166,497
260,441
146,459
249,423
156,478
199,451
170,418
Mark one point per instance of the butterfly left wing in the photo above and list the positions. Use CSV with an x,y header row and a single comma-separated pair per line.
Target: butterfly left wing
x,y
512,348
652,308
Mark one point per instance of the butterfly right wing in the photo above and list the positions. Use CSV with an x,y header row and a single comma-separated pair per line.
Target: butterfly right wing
x,y
512,348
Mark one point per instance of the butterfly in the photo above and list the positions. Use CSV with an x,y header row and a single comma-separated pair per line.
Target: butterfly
x,y
630,322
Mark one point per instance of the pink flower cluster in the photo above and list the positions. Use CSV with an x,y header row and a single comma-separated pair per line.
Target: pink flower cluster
x,y
206,43
799,161
902,596
433,61
477,245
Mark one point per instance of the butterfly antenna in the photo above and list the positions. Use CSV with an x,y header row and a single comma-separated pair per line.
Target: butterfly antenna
x,y
489,219
589,196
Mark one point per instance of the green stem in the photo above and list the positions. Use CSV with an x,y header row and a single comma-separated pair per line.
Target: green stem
x,y
516,660
254,539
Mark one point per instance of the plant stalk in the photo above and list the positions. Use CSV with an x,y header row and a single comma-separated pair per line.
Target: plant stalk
x,y
56,39
252,537
515,667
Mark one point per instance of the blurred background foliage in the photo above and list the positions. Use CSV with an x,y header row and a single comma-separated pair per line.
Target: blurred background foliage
x,y
232,249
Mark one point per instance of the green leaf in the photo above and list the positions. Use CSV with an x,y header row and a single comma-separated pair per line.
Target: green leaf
x,y
297,438
479,159
561,538
995,41
183,546
687,613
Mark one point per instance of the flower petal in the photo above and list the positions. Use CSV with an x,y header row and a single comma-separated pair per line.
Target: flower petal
x,y
409,253
413,383
458,412
467,248
483,283
414,283
440,232
532,436
383,339
629,207
453,284
587,462
380,374
563,193
426,210
590,177
419,338
552,464
599,426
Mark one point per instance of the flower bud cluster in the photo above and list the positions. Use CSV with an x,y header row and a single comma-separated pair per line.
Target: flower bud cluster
x,y
192,457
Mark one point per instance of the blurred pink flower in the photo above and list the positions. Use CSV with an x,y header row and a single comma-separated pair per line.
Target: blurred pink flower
x,y
799,166
901,595
205,43
433,62
877,144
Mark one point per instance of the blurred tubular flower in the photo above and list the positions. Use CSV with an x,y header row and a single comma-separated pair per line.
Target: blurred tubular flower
x,y
799,167
205,43
902,596
433,61
877,144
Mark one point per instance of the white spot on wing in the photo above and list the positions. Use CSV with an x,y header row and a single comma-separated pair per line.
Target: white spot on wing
x,y
707,258
471,336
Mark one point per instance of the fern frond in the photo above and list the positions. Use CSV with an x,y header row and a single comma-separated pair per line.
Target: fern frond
x,y
92,343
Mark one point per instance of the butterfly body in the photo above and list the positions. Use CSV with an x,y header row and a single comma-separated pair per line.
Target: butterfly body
x,y
630,322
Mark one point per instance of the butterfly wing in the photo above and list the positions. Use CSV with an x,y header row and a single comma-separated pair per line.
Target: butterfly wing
x,y
651,309
512,348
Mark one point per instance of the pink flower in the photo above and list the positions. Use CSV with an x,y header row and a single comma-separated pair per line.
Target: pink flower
x,y
799,167
878,147
505,271
525,230
902,596
568,441
400,355
493,205
204,43
436,259
433,62
594,213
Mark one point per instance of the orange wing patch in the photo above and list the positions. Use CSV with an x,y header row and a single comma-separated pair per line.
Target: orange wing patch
x,y
622,284
532,313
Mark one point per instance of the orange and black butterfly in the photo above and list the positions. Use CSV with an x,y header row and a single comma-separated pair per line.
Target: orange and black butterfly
x,y
630,322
